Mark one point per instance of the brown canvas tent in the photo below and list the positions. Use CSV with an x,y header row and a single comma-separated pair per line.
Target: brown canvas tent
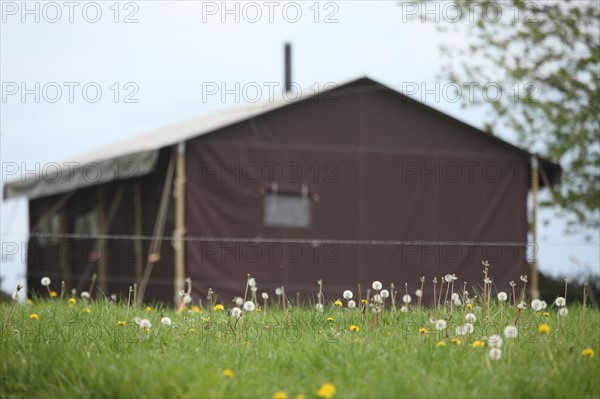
x,y
350,185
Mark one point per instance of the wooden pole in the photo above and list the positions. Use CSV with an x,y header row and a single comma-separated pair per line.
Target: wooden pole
x,y
139,231
179,223
534,262
159,225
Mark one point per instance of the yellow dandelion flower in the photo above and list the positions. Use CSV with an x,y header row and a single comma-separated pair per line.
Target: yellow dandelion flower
x,y
330,319
364,302
338,303
192,330
546,314
440,343
219,308
326,391
258,310
206,319
544,328
422,330
120,323
196,309
587,352
53,294
280,395
469,306
148,309
228,373
29,302
34,316
87,310
478,344
72,301
456,341
354,328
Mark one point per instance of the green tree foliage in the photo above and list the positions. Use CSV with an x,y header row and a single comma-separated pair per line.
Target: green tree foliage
x,y
548,53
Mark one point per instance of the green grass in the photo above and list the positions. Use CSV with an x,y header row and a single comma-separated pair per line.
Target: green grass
x,y
71,353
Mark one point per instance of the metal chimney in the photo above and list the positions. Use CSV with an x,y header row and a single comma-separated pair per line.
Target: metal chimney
x,y
288,67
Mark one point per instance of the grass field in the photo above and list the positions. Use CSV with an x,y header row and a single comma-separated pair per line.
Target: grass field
x,y
78,348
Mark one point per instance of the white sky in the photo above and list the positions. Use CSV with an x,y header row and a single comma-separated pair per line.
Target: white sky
x,y
175,47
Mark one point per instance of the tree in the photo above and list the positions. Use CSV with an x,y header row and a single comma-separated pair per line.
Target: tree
x,y
548,54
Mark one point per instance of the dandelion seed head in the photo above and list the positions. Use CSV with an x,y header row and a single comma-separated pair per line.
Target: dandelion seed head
x,y
521,306
560,301
536,305
454,296
145,323
544,305
252,282
376,285
319,307
348,294
418,293
495,353
236,312
377,298
448,278
45,281
495,341
406,299
563,312
351,304
404,309
511,332
468,328
239,301
249,306
384,294
440,324
265,296
85,295
187,299
502,297
278,291
470,318
165,321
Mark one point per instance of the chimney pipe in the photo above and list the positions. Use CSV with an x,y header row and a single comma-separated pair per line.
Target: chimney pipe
x,y
288,67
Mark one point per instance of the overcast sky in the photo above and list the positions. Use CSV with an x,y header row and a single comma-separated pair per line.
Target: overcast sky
x,y
144,65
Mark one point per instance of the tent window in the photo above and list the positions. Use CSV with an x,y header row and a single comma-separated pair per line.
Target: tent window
x,y
287,210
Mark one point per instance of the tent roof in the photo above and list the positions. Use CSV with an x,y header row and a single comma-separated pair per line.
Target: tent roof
x,y
138,156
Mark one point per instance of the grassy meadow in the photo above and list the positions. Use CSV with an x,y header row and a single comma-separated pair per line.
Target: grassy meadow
x,y
76,347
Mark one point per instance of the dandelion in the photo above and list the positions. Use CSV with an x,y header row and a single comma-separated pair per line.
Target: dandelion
x,y
376,285
236,312
440,344
470,318
326,391
440,325
560,301
29,302
72,301
218,308
478,344
546,314
460,331
253,289
249,306
87,310
536,305
406,299
34,316
120,323
46,281
418,293
265,296
524,278
137,320
454,297
468,328
377,298
544,329
338,303
384,293
404,309
563,312
192,330
278,291
495,353
196,309
511,332
145,323
521,306
252,282
84,295
502,297
351,304
494,341
187,299
448,278
544,305
354,328
53,294
456,341
148,309
422,330
319,307
280,395
330,319
469,306
348,294
165,321
587,352
228,373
